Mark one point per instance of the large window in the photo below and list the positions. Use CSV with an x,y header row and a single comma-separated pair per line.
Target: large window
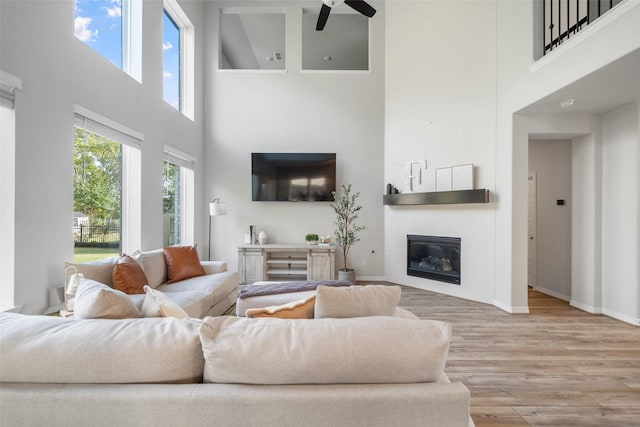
x,y
8,85
113,28
171,72
178,198
178,51
106,188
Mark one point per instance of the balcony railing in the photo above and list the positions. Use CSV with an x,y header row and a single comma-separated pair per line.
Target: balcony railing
x,y
563,19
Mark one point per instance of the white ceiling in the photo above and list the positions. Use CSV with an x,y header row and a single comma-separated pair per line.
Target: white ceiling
x,y
604,90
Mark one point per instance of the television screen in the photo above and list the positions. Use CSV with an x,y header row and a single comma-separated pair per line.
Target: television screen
x,y
293,177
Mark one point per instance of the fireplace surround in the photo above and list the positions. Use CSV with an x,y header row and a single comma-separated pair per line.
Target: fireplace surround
x,y
434,257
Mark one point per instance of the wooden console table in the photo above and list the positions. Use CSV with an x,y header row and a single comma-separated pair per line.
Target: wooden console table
x,y
278,261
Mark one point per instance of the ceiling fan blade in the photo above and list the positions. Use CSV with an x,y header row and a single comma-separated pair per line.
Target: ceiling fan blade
x,y
361,6
322,19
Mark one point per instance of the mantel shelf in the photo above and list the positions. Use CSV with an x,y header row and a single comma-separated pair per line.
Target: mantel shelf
x,y
438,198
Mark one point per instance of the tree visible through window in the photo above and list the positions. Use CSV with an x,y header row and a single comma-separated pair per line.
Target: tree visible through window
x,y
97,196
171,204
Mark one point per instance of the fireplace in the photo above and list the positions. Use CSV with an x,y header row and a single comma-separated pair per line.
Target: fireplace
x,y
432,257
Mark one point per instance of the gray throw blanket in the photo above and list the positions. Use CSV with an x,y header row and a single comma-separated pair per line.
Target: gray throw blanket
x,y
287,287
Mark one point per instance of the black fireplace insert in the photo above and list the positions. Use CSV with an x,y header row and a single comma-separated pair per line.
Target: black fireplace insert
x,y
433,257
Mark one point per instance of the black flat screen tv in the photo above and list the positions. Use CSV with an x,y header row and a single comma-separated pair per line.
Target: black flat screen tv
x,y
293,177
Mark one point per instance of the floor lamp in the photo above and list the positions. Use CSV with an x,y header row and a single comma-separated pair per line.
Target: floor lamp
x,y
216,207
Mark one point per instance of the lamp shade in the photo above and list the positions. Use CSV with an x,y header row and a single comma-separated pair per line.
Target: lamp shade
x,y
217,207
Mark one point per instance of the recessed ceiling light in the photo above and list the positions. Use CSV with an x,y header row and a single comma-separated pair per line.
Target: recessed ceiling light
x,y
566,103
327,58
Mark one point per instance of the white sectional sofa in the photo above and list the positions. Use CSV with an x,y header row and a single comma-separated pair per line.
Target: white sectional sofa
x,y
208,295
227,371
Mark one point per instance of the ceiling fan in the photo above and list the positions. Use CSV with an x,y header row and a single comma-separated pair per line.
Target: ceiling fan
x,y
359,5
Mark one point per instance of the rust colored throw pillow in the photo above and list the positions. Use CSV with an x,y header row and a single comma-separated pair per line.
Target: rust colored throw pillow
x,y
128,276
182,263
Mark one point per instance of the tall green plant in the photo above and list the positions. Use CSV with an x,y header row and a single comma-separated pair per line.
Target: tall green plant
x,y
346,209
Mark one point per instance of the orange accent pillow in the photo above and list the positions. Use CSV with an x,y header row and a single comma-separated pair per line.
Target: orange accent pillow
x,y
128,276
302,309
182,263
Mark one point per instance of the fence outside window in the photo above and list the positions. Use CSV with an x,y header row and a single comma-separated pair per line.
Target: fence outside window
x,y
94,235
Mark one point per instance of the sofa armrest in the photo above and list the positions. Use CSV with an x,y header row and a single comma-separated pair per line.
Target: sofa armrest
x,y
212,267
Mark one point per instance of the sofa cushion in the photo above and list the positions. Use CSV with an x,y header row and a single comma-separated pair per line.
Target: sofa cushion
x,y
182,263
95,300
323,351
157,304
300,309
100,270
216,286
128,276
47,349
154,266
356,301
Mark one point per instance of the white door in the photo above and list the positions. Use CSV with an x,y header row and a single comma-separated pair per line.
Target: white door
x,y
531,267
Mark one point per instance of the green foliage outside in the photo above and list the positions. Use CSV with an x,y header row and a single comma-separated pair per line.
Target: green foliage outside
x,y
97,177
94,254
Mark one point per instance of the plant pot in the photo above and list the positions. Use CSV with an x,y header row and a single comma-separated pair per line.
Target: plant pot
x,y
312,242
348,275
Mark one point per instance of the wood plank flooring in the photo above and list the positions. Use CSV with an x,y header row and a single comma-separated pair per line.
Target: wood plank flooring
x,y
557,366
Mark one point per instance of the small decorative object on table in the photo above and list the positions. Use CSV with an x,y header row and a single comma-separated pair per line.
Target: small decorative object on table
x,y
312,239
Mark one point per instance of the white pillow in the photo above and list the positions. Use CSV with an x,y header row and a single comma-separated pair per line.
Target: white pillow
x,y
356,301
100,270
153,265
361,350
157,304
95,300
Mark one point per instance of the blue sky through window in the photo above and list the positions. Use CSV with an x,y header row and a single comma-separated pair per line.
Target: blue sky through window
x,y
171,61
98,23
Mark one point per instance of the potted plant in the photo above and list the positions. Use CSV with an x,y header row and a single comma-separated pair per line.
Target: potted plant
x,y
346,209
312,239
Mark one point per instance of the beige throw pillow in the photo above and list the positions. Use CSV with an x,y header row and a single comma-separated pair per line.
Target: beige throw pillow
x,y
356,301
361,350
95,300
158,304
301,309
100,270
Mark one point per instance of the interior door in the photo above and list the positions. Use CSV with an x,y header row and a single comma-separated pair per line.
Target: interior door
x,y
531,267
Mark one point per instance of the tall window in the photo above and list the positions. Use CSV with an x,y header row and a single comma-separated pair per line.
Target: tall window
x,y
113,28
171,61
178,52
106,188
178,198
8,85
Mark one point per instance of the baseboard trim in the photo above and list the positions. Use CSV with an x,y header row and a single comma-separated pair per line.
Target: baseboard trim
x,y
584,307
622,317
511,309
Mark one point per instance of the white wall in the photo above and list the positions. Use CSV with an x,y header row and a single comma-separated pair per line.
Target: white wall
x,y
519,85
295,111
58,71
551,161
620,239
440,106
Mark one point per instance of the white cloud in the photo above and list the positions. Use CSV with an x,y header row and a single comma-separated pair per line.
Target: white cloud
x,y
166,46
167,75
113,12
82,31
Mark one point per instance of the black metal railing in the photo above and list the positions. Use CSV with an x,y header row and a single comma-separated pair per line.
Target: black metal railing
x,y
107,235
565,18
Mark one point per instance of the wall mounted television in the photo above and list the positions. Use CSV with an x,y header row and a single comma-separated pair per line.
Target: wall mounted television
x,y
293,177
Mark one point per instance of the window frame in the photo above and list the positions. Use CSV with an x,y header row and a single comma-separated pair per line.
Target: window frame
x,y
131,192
8,86
187,56
186,163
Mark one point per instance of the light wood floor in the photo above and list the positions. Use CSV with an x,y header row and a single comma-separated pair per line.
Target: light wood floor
x,y
557,366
